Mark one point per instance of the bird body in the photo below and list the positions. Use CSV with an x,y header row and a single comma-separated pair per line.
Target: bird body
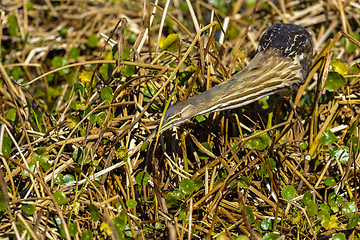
x,y
282,63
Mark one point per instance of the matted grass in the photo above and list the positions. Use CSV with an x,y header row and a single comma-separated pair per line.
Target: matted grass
x,y
74,121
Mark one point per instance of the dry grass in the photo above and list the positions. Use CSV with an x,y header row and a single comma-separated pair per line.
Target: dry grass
x,y
49,115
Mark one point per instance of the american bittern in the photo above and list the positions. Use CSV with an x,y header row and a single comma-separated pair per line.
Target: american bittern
x,y
281,64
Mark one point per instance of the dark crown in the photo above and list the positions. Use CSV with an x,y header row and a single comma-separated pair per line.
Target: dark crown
x,y
290,39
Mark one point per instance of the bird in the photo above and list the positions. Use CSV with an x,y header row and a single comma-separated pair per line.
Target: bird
x,y
281,64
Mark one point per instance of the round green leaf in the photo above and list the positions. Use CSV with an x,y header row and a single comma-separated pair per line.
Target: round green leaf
x,y
339,236
266,224
271,236
128,70
60,198
323,214
87,235
131,203
119,223
94,212
250,214
198,184
327,137
288,193
259,142
6,148
312,208
106,94
244,182
59,62
171,199
142,178
330,181
339,66
187,186
354,220
158,226
92,40
11,114
342,154
306,198
122,153
72,227
334,82
348,208
74,53
28,209
303,145
268,166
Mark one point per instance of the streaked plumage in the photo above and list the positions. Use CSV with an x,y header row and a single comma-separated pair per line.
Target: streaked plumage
x,y
282,63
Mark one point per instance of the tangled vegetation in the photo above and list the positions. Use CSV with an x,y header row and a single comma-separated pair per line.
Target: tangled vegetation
x,y
83,83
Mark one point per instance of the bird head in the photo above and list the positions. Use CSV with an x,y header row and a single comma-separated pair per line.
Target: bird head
x,y
176,114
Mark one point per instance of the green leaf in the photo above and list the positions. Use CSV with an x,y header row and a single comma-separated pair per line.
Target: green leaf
x,y
106,94
187,186
142,178
92,40
87,235
259,142
327,137
354,220
303,145
250,214
312,208
342,154
288,193
329,181
60,198
266,224
17,73
349,208
59,62
171,42
339,66
28,209
171,199
306,198
334,82
128,70
67,180
144,146
269,165
80,152
119,225
6,147
131,203
2,202
244,182
122,153
72,121
323,214
72,227
339,236
63,31
13,25
200,118
332,222
94,212
202,155
198,184
334,201
149,92
74,53
271,236
352,46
